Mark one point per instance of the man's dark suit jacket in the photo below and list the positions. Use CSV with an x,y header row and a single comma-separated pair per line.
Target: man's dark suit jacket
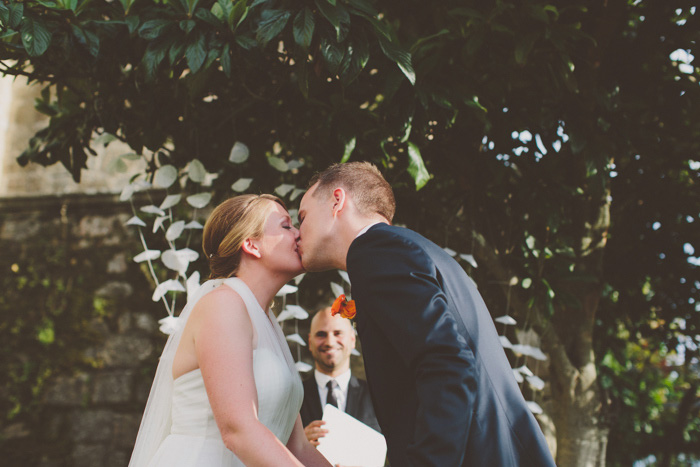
x,y
359,403
442,387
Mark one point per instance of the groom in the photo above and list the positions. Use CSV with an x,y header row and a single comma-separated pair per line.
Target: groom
x,y
441,385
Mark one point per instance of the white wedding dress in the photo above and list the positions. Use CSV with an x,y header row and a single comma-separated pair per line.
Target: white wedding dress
x,y
193,438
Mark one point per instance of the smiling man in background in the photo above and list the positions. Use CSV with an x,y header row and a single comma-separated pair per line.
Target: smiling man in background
x,y
331,341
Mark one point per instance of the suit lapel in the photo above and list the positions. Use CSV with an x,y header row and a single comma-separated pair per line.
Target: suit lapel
x,y
312,397
353,402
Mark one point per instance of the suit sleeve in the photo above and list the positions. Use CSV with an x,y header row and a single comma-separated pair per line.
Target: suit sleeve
x,y
397,286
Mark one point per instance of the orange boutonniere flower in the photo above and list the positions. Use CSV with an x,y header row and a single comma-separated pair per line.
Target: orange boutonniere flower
x,y
345,307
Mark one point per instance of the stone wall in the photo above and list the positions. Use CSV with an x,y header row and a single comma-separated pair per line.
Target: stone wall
x,y
19,121
87,411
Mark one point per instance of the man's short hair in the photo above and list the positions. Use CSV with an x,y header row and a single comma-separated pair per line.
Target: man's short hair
x,y
369,190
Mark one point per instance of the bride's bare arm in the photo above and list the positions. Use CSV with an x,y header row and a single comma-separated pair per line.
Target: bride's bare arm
x,y
302,449
223,341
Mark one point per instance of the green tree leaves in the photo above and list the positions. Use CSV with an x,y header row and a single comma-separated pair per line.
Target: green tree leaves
x,y
304,25
416,167
196,52
35,36
271,24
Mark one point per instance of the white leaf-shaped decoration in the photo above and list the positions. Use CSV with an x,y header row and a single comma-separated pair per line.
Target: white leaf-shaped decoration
x,y
297,311
278,163
505,319
136,221
469,259
169,324
170,201
285,315
292,312
525,371
283,189
537,354
505,342
175,230
296,338
295,164
337,290
147,255
194,225
165,176
286,290
173,261
518,377
299,278
529,351
167,286
192,284
294,214
536,382
209,179
199,200
303,367
239,153
344,275
450,252
188,254
179,260
151,209
295,194
355,352
158,223
534,407
196,171
130,189
242,184
127,193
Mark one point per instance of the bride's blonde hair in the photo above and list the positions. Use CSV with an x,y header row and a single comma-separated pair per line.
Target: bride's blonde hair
x,y
231,222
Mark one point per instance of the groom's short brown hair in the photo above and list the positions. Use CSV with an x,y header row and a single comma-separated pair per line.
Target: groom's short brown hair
x,y
371,193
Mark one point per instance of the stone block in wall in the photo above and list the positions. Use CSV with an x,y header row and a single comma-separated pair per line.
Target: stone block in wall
x,y
137,322
125,350
117,265
24,227
143,389
92,426
50,463
118,459
126,426
54,426
145,322
112,387
68,390
124,322
89,455
115,290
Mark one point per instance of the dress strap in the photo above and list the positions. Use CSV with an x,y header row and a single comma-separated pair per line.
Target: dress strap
x,y
255,311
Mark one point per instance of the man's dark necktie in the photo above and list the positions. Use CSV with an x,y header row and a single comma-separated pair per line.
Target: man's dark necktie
x,y
330,398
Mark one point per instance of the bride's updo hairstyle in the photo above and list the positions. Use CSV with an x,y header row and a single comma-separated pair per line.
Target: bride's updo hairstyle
x,y
229,225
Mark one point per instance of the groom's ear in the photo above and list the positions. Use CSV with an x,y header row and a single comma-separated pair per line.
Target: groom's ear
x,y
339,200
251,248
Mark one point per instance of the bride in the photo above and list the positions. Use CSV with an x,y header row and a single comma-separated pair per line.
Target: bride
x,y
226,392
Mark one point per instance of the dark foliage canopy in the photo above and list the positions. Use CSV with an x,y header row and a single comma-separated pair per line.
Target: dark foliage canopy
x,y
556,141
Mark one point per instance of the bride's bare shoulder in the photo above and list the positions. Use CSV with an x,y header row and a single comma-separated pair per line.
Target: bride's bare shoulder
x,y
221,304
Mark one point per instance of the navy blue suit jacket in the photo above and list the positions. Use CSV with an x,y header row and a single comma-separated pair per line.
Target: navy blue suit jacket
x,y
442,387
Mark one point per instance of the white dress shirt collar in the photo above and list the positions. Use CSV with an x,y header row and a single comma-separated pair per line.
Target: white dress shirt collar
x,y
343,381
366,228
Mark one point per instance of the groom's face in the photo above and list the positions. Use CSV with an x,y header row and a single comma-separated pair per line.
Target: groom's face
x,y
316,231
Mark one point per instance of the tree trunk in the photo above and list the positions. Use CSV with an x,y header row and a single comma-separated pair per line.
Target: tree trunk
x,y
581,434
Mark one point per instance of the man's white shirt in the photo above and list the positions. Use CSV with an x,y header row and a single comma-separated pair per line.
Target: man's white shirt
x,y
366,228
341,394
